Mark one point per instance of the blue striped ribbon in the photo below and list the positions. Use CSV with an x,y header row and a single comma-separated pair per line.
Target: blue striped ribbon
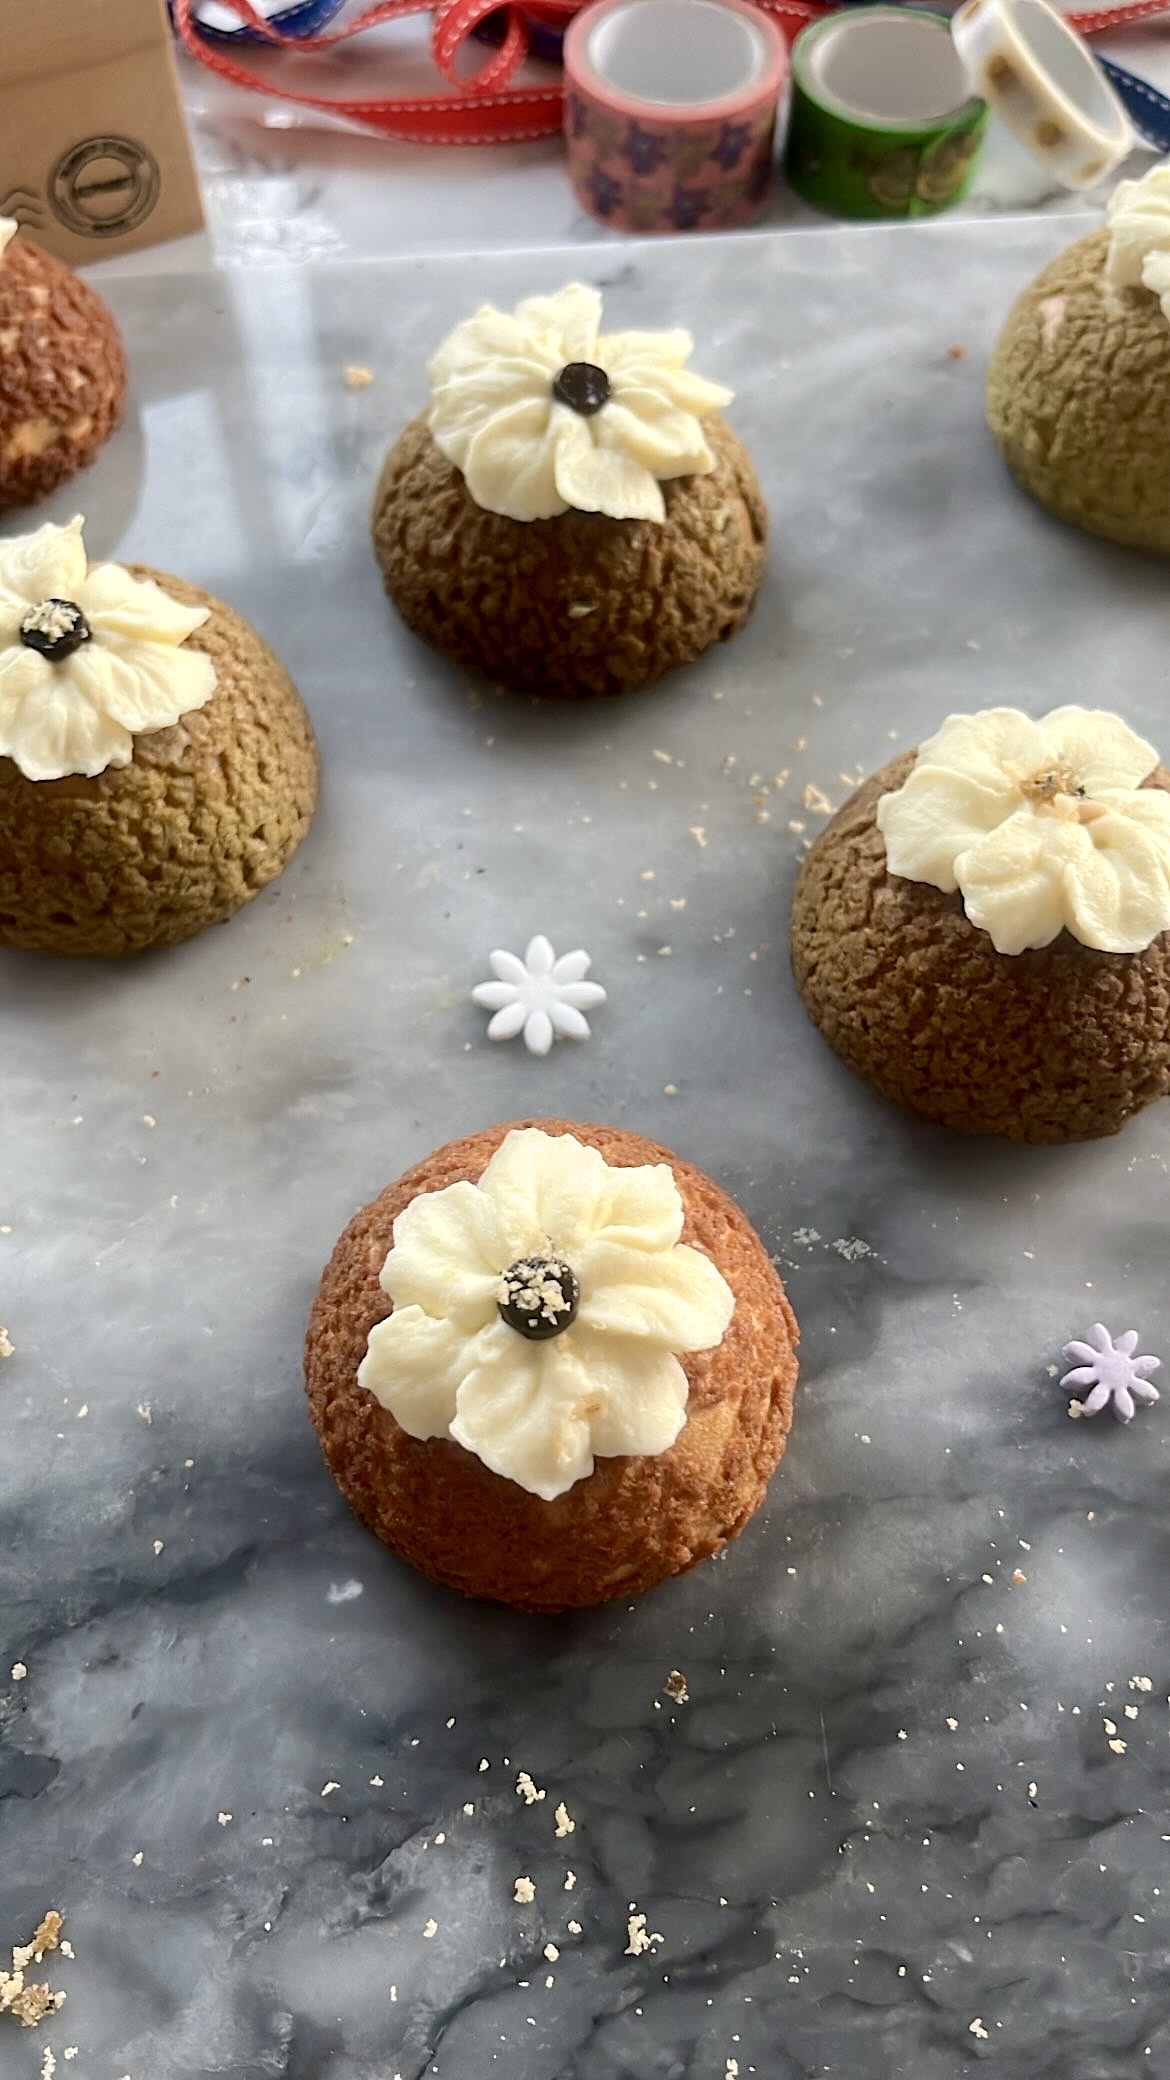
x,y
302,18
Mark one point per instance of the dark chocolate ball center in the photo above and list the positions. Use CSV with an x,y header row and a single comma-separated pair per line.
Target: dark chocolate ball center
x,y
582,386
55,628
539,1297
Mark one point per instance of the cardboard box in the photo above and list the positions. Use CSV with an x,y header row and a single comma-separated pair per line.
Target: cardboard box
x,y
94,153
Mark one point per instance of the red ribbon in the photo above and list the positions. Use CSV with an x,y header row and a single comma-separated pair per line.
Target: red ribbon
x,y
484,107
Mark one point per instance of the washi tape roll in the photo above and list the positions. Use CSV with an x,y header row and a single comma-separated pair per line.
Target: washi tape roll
x,y
884,122
1045,84
670,112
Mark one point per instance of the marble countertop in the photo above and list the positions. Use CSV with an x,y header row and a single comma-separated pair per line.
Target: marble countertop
x,y
267,1774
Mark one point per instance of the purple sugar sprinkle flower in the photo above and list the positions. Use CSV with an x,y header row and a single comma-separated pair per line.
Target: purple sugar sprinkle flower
x,y
1112,1372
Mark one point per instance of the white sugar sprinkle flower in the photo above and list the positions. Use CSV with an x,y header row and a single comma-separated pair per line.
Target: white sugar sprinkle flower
x,y
538,1314
540,996
542,414
90,657
1043,827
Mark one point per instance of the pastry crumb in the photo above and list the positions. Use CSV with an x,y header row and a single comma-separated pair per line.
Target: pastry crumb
x,y
976,2029
564,1820
28,2002
574,1927
817,800
525,1788
19,1671
639,1938
358,377
468,1809
7,1347
331,1786
570,1881
699,833
523,1892
675,1686
956,353
551,1952
430,1928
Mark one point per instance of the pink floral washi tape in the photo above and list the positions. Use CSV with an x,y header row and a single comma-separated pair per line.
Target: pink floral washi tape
x,y
670,112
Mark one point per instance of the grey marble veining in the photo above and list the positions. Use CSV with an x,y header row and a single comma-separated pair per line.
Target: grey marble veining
x,y
889,1811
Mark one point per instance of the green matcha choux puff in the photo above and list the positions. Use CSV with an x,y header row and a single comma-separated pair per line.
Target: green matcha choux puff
x,y
1078,395
571,516
157,766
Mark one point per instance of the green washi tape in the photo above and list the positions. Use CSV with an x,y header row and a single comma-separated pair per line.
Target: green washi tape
x,y
883,120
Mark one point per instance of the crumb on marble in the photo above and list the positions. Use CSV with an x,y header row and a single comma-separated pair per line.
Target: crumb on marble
x,y
551,1952
564,1820
523,1892
570,1881
19,1671
530,1792
329,1788
639,1938
675,1687
468,1809
358,377
430,1928
29,2001
7,1347
976,2029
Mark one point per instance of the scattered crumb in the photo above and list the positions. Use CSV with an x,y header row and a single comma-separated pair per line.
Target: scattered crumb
x,y
523,1892
564,1820
815,799
157,1547
377,1782
1131,1711
1018,1575
469,1809
48,2063
224,1819
331,1786
731,2069
574,1927
357,377
639,1938
7,1347
28,2002
977,2030
1117,1747
570,1881
1140,1683
483,1764
19,1671
136,1859
699,834
956,353
525,1788
670,1090
430,1928
953,1724
1076,1410
551,1952
675,1686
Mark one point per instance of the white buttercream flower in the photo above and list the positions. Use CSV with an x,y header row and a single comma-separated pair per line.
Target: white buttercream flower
x,y
540,996
1043,826
541,414
90,657
1139,234
538,1313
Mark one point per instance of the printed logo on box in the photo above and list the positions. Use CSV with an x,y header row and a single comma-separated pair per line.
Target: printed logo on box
x,y
104,187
